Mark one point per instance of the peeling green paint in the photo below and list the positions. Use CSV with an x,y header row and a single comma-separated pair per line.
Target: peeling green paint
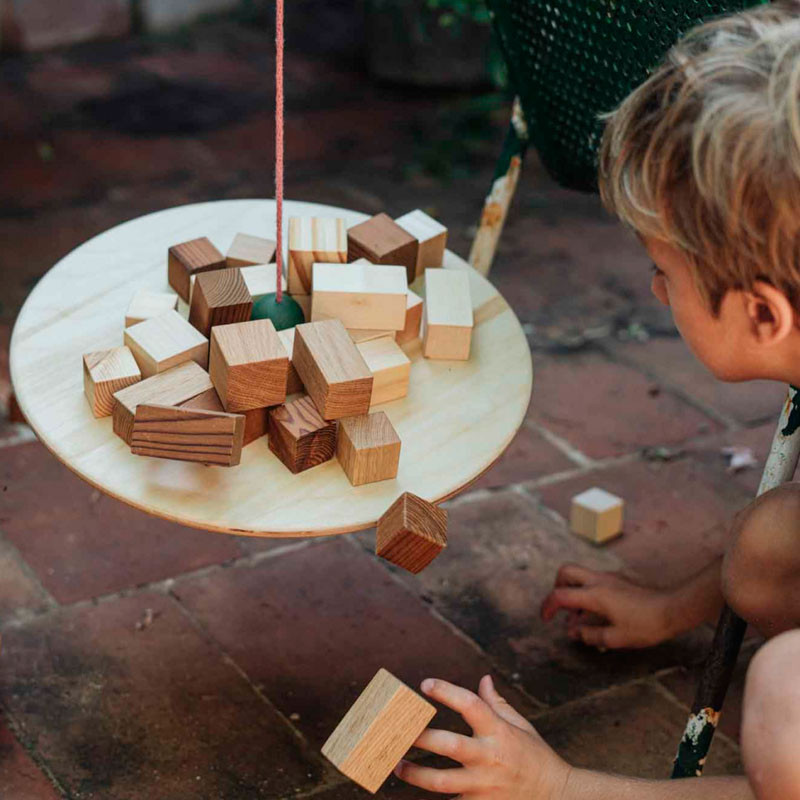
x,y
692,751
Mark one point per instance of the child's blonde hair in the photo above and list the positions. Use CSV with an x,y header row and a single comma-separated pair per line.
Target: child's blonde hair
x,y
706,153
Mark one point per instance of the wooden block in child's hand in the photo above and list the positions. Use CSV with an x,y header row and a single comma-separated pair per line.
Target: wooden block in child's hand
x,y
390,368
411,533
432,238
163,342
248,364
377,731
299,436
106,372
189,258
186,434
448,315
146,304
246,250
313,239
368,448
413,319
382,241
220,297
255,420
332,370
596,515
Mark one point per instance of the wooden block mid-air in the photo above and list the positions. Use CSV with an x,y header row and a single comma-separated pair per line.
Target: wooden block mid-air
x,y
432,238
390,368
380,240
247,250
368,448
147,303
220,297
299,436
313,239
106,372
411,533
191,258
448,315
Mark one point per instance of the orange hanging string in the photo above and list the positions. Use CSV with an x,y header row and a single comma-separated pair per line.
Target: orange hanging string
x,y
279,146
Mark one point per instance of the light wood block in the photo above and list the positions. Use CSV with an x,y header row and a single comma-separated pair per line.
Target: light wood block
x,y
106,372
163,342
247,250
293,382
261,280
390,368
368,448
596,515
414,307
362,296
255,420
170,388
190,258
331,369
377,731
411,533
220,297
448,315
146,304
313,239
382,241
432,238
299,436
248,365
185,434
368,335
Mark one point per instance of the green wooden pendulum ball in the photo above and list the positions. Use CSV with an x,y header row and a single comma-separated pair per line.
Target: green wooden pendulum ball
x,y
285,314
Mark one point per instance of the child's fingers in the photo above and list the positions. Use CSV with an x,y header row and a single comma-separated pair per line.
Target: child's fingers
x,y
444,781
576,599
500,705
576,575
475,712
463,749
603,637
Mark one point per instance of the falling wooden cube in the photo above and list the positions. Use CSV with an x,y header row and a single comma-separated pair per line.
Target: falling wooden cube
x,y
248,365
380,240
106,372
293,382
448,315
596,515
146,304
220,297
411,533
332,370
299,436
190,258
313,239
255,419
247,250
163,342
432,238
413,319
368,448
390,368
377,731
262,279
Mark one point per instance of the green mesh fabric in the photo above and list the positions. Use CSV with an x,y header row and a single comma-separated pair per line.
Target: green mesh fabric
x,y
570,60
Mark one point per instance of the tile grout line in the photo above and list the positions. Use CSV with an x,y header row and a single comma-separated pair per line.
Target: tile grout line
x,y
565,447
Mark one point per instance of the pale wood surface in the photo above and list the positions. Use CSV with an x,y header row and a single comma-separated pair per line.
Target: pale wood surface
x,y
368,448
247,250
456,421
431,235
146,304
107,372
314,239
163,342
390,368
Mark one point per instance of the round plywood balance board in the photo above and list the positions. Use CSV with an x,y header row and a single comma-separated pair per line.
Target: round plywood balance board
x,y
456,421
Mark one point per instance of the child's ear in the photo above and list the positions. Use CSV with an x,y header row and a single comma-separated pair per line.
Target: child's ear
x,y
771,315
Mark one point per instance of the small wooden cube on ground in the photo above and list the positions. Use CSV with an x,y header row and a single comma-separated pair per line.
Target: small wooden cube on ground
x,y
146,304
413,319
411,533
163,342
432,238
187,434
299,436
362,296
381,240
293,382
448,315
377,731
332,370
220,297
247,250
255,420
248,364
368,448
106,372
390,368
596,515
190,258
313,239
262,279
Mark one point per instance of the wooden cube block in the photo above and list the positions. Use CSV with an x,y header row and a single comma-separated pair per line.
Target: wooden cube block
x,y
146,304
413,319
261,280
596,515
377,731
163,342
313,239
448,315
390,368
362,296
411,533
255,420
247,250
189,258
248,364
293,382
382,241
332,370
368,335
432,238
220,297
106,372
170,388
299,436
187,434
368,448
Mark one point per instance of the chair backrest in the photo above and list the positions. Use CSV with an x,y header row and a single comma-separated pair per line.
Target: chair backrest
x,y
571,60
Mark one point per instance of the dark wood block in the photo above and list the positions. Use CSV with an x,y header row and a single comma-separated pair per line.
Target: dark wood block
x,y
220,297
189,258
382,241
411,533
299,436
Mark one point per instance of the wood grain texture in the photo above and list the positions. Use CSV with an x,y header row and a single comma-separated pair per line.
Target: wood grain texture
x,y
247,250
380,240
313,239
432,238
299,436
189,258
411,533
368,448
293,382
332,370
255,420
261,280
106,372
411,331
596,515
448,315
146,304
220,297
377,731
163,342
185,434
368,335
390,368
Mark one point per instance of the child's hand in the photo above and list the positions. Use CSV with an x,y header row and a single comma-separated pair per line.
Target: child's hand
x,y
505,759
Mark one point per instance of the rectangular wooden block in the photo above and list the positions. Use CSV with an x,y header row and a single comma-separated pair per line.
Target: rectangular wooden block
x,y
332,370
377,731
390,368
362,296
411,533
189,258
313,239
368,335
170,388
293,382
220,297
187,434
413,319
261,280
299,436
255,420
382,241
106,372
247,250
432,238
448,315
596,515
163,342
248,364
368,448
147,303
